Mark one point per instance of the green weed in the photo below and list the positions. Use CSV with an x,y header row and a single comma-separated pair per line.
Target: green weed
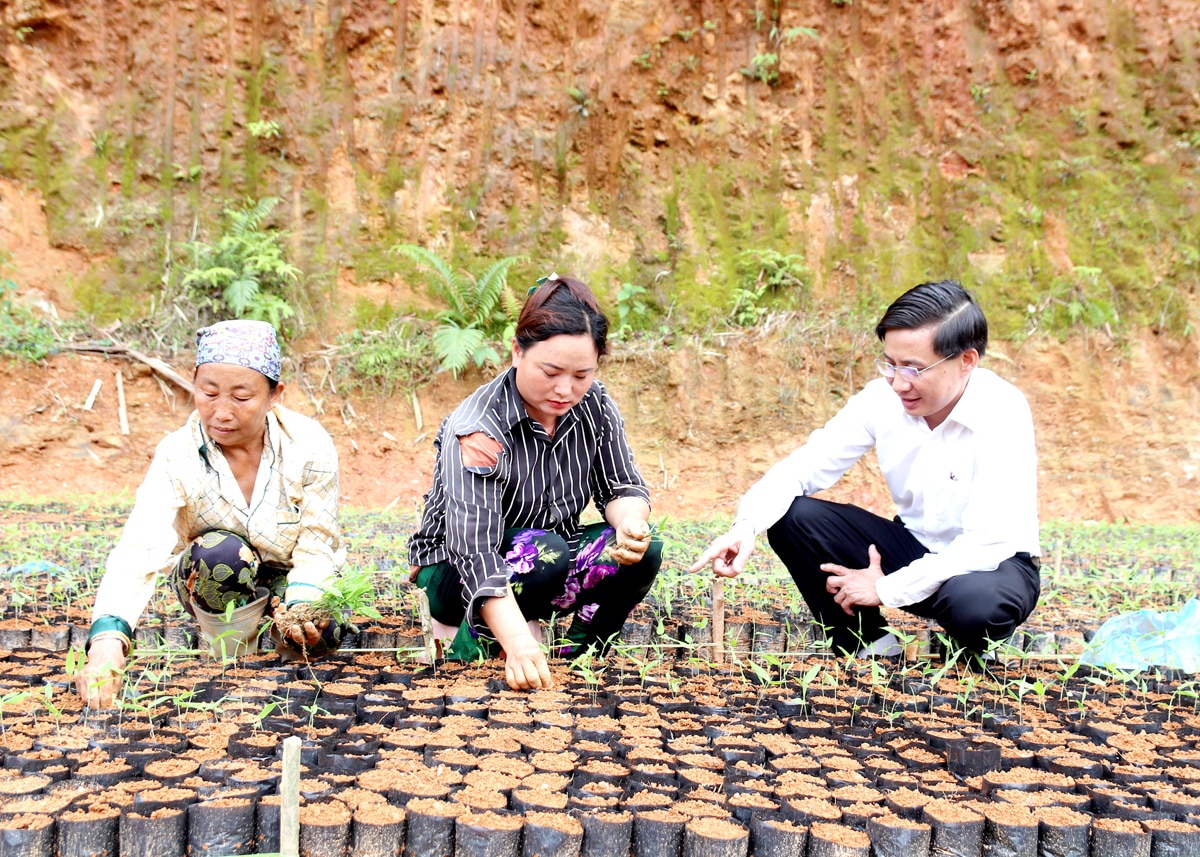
x,y
399,356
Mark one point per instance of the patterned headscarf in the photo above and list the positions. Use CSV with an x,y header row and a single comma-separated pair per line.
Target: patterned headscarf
x,y
243,343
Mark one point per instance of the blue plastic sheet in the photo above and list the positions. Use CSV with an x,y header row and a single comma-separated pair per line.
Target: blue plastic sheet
x,y
1148,638
37,566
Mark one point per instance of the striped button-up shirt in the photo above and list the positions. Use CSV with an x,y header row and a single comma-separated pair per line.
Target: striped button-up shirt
x,y
538,482
291,519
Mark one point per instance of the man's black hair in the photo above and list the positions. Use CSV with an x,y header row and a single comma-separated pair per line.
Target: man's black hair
x,y
948,306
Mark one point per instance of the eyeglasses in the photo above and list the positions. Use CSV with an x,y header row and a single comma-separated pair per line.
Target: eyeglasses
x,y
908,373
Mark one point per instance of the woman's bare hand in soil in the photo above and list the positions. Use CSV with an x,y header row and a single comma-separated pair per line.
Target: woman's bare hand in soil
x,y
525,666
100,679
299,633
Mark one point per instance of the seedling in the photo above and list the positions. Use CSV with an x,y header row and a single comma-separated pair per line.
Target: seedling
x,y
582,664
12,698
263,713
350,594
314,711
48,703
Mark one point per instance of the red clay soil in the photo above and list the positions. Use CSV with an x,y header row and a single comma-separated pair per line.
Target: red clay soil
x,y
1114,426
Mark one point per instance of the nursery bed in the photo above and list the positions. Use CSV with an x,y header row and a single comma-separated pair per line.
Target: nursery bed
x,y
659,749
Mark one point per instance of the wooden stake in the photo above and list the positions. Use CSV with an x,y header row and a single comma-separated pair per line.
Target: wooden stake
x,y
163,369
426,626
289,804
417,412
167,393
718,620
91,399
121,414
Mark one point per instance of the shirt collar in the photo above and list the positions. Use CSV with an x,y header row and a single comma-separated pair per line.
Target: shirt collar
x,y
205,446
274,431
510,409
969,410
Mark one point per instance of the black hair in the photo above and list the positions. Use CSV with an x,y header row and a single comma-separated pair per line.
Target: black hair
x,y
945,304
562,306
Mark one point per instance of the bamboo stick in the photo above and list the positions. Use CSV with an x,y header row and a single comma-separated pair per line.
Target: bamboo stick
x,y
91,399
154,363
426,626
163,369
289,805
718,620
122,415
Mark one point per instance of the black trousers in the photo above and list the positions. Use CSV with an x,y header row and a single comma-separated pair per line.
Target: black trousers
x,y
974,608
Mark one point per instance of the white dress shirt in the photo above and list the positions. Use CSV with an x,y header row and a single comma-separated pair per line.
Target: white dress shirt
x,y
967,489
291,519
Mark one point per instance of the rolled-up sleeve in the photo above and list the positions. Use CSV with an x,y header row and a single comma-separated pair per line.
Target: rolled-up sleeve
x,y
147,543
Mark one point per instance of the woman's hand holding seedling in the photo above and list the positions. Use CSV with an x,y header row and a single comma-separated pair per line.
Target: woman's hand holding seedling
x,y
300,625
100,679
318,626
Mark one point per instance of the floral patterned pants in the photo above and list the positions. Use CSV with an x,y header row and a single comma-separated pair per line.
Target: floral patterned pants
x,y
546,581
219,568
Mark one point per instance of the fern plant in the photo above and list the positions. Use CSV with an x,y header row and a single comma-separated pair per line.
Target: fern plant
x,y
481,309
245,273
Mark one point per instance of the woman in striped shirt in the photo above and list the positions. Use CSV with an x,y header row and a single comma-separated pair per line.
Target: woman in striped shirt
x,y
500,545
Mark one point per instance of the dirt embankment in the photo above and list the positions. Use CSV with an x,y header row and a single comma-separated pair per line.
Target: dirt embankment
x,y
1117,424
128,123
561,126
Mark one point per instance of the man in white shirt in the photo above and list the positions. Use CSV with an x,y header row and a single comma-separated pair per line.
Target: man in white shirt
x,y
955,444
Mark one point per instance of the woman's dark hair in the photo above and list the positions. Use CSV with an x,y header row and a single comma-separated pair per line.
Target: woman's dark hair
x,y
959,320
562,305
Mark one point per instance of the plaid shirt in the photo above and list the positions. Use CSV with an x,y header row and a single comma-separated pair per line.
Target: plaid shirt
x,y
291,520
